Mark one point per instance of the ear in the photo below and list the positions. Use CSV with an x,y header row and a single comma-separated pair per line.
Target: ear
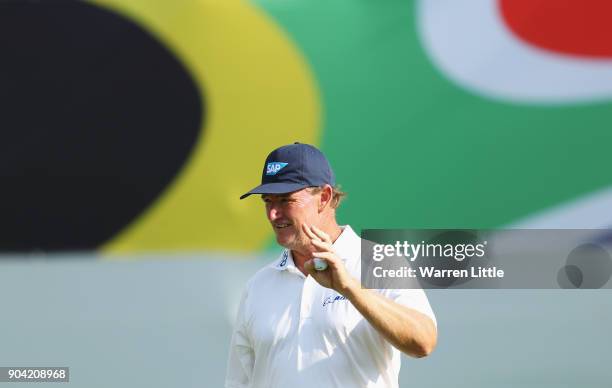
x,y
325,197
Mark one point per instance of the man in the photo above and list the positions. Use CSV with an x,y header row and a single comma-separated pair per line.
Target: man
x,y
302,327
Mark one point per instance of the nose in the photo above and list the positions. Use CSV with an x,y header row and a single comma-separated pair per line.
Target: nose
x,y
273,212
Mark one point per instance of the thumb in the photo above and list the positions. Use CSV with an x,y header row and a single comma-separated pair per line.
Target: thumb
x,y
309,266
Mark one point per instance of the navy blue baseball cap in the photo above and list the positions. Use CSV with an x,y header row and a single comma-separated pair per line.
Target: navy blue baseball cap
x,y
293,167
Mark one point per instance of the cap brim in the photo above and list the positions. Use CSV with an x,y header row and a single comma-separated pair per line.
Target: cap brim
x,y
275,188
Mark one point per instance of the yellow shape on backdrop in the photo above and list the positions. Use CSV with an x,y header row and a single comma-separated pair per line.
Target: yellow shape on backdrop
x,y
259,94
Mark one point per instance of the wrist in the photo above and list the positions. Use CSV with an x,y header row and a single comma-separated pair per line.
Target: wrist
x,y
351,290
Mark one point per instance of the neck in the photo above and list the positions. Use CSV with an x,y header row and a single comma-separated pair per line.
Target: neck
x,y
301,256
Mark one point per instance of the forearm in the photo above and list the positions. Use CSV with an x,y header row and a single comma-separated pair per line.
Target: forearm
x,y
408,330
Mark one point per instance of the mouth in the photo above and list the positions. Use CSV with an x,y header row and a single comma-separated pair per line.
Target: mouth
x,y
281,225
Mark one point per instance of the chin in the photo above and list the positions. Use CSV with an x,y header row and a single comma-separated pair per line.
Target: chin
x,y
285,241
289,242
290,239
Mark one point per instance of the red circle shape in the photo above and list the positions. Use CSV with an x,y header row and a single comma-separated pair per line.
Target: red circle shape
x,y
573,27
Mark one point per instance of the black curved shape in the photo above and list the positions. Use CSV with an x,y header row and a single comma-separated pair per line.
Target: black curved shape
x,y
97,118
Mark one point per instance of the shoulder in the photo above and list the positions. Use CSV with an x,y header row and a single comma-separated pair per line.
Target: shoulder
x,y
261,286
263,276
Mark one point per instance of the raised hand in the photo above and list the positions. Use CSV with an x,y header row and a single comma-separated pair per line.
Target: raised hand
x,y
335,276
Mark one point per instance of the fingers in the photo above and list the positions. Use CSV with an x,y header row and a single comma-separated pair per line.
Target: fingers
x,y
322,245
309,233
320,234
315,234
309,266
331,258
315,239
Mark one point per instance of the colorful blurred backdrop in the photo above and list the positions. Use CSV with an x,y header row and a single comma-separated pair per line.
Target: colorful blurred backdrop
x,y
130,128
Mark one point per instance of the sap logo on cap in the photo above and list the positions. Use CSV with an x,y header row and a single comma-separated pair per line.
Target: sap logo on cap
x,y
273,168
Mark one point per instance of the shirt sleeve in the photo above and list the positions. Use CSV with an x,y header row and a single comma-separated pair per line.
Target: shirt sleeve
x,y
241,354
413,298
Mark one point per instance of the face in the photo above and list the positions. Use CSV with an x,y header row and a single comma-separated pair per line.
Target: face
x,y
287,213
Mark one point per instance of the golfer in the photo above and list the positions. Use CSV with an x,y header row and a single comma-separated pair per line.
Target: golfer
x,y
301,326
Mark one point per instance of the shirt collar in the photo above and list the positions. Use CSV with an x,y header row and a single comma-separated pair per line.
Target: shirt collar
x,y
285,261
347,245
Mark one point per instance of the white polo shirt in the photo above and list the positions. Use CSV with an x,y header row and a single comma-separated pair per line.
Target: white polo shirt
x,y
291,332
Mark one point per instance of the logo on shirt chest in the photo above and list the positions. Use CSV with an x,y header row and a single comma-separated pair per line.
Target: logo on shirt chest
x,y
332,299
